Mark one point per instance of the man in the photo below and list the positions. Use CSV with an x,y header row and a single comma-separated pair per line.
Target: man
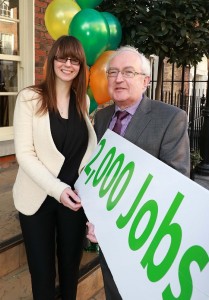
x,y
156,127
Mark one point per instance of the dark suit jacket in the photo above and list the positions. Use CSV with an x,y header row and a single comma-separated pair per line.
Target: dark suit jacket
x,y
158,128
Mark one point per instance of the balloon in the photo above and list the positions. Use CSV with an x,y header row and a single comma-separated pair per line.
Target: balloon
x,y
91,28
93,104
115,30
58,15
88,3
98,78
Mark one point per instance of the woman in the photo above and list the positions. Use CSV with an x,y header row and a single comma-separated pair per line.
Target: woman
x,y
53,140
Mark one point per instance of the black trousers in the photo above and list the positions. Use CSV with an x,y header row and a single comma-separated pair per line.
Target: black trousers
x,y
54,230
111,290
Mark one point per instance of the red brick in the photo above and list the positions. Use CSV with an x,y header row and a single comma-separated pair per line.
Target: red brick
x,y
43,40
7,161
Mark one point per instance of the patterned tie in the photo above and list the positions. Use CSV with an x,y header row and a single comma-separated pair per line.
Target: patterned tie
x,y
120,116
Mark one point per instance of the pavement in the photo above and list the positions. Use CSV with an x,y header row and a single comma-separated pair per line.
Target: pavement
x,y
202,180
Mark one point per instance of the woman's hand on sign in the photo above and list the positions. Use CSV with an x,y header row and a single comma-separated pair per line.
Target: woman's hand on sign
x,y
90,233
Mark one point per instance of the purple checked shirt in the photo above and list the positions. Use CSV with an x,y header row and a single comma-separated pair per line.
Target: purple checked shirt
x,y
131,110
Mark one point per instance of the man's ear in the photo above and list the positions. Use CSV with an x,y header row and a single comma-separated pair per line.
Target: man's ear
x,y
146,82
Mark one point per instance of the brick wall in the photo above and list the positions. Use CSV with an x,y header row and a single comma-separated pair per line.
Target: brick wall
x,y
43,40
177,77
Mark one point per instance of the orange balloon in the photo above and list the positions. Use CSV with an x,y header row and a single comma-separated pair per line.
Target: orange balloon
x,y
98,78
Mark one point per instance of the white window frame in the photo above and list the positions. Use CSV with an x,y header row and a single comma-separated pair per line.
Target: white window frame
x,y
26,65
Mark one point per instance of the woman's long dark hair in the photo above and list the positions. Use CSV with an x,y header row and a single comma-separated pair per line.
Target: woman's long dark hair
x,y
65,46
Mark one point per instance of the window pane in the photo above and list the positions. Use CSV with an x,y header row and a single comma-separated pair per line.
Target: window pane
x,y
8,76
9,27
7,104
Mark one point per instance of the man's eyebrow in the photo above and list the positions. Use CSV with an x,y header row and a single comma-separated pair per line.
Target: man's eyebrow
x,y
127,67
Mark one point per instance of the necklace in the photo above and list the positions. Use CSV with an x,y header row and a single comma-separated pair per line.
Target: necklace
x,y
63,112
63,108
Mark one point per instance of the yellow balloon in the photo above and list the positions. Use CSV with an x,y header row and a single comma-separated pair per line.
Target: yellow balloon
x,y
58,16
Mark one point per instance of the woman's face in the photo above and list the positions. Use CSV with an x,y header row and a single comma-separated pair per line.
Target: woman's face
x,y
66,68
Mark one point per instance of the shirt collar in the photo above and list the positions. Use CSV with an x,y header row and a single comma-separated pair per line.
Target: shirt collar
x,y
131,109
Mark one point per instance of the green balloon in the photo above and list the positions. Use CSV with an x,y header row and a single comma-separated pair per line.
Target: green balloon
x,y
91,28
88,3
93,103
115,30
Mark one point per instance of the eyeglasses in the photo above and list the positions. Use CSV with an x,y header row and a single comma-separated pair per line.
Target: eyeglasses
x,y
124,73
63,60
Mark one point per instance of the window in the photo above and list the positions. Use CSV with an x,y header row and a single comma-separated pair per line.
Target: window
x,y
16,62
7,43
4,9
9,47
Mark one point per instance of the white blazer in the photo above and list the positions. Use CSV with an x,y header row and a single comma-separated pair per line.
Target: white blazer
x,y
39,160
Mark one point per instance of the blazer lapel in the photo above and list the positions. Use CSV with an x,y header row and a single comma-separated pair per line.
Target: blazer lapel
x,y
139,121
106,118
45,146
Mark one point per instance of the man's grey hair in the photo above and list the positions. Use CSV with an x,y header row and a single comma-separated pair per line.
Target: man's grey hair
x,y
145,63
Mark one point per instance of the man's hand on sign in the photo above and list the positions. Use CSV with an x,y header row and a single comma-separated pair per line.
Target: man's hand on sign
x,y
90,233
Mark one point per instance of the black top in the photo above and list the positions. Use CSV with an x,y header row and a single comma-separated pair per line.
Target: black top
x,y
71,138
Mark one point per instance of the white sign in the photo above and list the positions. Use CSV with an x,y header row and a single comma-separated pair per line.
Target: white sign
x,y
151,222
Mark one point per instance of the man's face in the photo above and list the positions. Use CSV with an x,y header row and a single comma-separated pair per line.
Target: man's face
x,y
125,91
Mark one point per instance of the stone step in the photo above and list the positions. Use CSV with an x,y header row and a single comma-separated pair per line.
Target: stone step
x,y
15,278
90,285
14,275
12,255
16,285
